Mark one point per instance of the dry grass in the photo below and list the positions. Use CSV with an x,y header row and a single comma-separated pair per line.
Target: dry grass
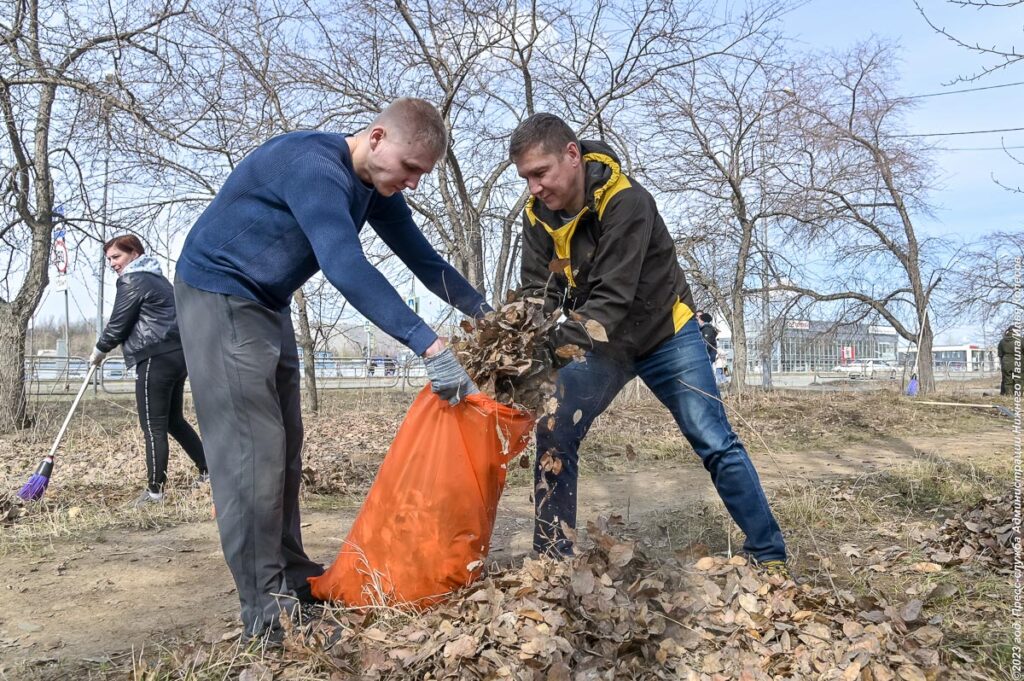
x,y
100,467
103,467
821,521
59,516
786,421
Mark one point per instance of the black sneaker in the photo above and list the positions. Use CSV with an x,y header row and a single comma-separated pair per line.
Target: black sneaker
x,y
308,612
266,639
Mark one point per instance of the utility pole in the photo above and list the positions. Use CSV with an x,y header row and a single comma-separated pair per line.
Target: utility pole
x,y
103,240
766,333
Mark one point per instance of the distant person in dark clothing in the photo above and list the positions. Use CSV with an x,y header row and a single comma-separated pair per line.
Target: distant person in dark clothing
x,y
1010,360
710,335
145,325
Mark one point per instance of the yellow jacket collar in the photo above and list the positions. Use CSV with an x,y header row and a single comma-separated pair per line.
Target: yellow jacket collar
x,y
595,193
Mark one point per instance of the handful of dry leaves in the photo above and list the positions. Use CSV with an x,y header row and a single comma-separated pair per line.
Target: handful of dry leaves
x,y
505,352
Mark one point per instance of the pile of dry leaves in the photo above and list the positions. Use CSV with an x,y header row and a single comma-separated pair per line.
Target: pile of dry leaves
x,y
505,352
11,507
983,535
614,613
979,538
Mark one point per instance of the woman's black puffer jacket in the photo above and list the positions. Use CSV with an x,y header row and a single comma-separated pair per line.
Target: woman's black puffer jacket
x,y
143,319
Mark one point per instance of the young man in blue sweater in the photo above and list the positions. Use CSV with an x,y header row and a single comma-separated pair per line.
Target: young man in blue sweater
x,y
295,206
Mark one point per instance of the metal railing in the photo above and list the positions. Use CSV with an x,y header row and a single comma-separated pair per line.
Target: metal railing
x,y
54,375
341,374
966,370
57,374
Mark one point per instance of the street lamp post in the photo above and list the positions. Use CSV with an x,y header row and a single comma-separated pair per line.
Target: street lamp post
x,y
103,256
105,114
766,343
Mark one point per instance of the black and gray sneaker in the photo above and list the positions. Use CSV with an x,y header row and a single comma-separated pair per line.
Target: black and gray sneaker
x,y
268,638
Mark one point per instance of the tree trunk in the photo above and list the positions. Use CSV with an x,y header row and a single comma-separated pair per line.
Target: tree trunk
x,y
308,353
475,265
925,363
738,384
13,411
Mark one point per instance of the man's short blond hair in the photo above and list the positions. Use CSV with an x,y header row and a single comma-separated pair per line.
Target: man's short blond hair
x,y
419,120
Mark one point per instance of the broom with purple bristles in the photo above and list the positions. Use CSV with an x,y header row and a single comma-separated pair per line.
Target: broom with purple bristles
x,y
36,485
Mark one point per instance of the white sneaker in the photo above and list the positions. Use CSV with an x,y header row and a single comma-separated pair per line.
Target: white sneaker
x,y
147,498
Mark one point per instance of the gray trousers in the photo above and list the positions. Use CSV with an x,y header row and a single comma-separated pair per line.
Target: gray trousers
x,y
244,369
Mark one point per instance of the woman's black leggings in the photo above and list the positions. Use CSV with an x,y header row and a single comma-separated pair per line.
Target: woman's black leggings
x,y
159,386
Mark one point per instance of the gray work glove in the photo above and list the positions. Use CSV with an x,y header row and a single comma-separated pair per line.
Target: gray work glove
x,y
97,357
448,379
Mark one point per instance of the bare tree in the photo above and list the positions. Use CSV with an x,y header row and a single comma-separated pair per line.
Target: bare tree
x,y
868,181
999,57
489,63
52,91
246,86
168,96
982,283
724,137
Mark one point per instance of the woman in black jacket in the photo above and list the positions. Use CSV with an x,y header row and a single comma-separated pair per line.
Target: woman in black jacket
x,y
143,322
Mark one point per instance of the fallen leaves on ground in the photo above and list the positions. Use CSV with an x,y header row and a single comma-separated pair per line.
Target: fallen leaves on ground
x,y
11,506
979,537
613,612
983,535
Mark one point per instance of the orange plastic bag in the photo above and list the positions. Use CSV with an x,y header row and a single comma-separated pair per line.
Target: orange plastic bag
x,y
425,527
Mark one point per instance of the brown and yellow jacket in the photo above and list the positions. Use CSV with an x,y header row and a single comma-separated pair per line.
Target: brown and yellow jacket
x,y
613,262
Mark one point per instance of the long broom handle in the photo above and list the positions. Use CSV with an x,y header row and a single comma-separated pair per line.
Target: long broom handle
x,y
74,405
957,404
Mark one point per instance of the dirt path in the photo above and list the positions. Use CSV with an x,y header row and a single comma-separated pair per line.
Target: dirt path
x,y
92,597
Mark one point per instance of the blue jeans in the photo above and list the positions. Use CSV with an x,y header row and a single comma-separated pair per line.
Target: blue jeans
x,y
680,375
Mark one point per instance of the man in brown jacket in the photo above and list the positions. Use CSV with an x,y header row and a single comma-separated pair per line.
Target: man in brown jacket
x,y
595,245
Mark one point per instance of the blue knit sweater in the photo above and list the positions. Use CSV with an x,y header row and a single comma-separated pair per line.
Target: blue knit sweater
x,y
295,206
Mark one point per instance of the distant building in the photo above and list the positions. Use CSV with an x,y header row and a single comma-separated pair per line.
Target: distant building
x,y
808,346
959,358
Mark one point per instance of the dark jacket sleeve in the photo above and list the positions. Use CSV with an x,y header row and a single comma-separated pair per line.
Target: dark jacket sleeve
x,y
626,229
127,303
535,276
392,220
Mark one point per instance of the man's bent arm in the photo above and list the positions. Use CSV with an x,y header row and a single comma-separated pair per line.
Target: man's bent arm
x,y
535,270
